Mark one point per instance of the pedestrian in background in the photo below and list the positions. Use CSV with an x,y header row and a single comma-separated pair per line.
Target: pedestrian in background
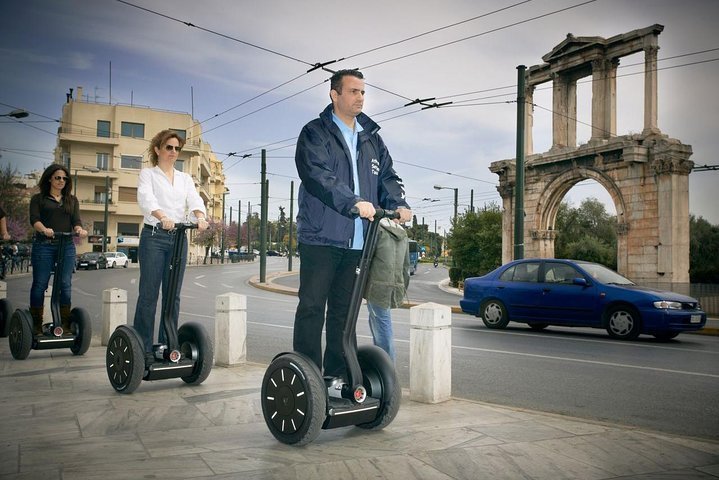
x,y
343,163
387,282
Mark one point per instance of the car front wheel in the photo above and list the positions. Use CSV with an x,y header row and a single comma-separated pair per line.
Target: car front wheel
x,y
623,322
494,315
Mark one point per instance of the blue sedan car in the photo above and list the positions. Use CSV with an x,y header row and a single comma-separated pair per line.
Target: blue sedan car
x,y
572,293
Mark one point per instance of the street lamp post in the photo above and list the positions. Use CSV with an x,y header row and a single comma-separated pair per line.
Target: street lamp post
x,y
19,113
456,196
84,167
106,220
454,221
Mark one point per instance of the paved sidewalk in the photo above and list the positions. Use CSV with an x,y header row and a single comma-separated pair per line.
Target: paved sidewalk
x,y
61,419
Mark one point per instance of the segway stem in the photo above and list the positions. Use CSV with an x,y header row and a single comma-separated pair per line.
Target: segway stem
x,y
168,301
349,337
63,238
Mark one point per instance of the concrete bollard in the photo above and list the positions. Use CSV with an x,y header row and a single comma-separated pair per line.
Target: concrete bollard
x,y
114,311
230,329
430,353
3,290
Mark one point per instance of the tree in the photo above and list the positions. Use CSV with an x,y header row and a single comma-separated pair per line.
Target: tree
x,y
209,237
586,233
15,200
476,242
703,248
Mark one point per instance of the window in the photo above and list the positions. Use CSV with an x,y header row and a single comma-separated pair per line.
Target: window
x,y
98,228
523,272
66,159
100,194
103,161
131,161
128,229
560,273
127,194
180,165
103,128
134,130
180,133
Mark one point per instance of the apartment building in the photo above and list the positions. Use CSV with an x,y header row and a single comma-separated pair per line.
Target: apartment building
x,y
104,146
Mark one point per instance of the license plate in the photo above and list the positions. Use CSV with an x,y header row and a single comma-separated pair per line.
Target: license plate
x,y
696,319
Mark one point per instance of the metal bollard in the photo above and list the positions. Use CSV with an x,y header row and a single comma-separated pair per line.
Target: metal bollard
x,y
3,290
430,353
230,329
114,311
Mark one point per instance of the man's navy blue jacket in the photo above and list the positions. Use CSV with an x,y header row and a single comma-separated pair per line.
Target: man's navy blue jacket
x,y
326,194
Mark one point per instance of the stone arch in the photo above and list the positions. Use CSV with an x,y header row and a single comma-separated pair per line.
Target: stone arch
x,y
646,174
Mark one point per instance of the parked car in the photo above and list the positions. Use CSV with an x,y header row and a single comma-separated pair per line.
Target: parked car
x,y
91,261
273,253
572,293
117,259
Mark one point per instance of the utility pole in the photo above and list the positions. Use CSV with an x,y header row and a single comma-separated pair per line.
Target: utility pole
x,y
519,180
239,225
263,216
289,247
106,218
249,217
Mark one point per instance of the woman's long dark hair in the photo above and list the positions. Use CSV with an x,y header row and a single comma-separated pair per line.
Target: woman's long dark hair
x,y
68,201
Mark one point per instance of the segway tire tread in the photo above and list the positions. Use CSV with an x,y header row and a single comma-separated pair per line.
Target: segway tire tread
x,y
20,334
294,399
194,342
80,322
125,360
380,379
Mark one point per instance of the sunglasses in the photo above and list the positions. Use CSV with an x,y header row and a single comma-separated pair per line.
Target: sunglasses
x,y
59,177
170,148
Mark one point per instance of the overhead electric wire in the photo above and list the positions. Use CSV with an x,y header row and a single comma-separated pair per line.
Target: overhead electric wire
x,y
478,34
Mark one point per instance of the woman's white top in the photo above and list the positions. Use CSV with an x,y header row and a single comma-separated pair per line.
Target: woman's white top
x,y
178,200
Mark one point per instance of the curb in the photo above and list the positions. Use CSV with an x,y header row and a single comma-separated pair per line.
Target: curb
x,y
269,286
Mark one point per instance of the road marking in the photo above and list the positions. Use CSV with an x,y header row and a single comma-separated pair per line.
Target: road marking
x,y
199,285
593,362
83,292
227,286
606,341
199,276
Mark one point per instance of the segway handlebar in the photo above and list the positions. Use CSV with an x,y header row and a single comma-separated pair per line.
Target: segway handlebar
x,y
179,225
378,212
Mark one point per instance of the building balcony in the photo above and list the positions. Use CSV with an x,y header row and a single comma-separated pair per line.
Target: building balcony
x,y
93,205
75,133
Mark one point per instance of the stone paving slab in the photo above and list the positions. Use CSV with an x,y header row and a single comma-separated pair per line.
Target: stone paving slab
x,y
61,419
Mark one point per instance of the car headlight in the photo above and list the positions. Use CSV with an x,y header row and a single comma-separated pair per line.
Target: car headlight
x,y
665,304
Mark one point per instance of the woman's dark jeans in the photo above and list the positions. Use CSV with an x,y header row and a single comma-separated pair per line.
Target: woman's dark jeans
x,y
154,255
43,257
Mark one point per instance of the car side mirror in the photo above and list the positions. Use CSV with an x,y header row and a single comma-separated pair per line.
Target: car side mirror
x,y
580,281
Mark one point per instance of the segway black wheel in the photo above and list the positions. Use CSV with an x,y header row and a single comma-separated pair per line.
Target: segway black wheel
x,y
196,346
125,360
294,399
5,314
20,334
81,327
380,380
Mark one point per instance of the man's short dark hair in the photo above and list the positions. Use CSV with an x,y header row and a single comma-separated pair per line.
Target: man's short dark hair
x,y
336,79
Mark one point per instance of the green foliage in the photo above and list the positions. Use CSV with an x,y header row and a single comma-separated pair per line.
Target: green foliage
x,y
703,248
16,203
476,242
586,233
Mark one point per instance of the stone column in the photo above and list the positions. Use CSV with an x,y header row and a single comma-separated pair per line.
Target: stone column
x,y
560,112
114,312
651,95
230,329
430,353
603,99
528,120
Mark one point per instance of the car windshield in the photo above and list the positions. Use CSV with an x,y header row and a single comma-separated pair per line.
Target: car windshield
x,y
91,256
603,274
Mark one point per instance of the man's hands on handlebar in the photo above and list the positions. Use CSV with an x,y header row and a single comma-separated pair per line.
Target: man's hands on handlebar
x,y
367,210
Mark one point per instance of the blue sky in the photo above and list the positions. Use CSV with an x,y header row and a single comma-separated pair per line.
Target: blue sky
x,y
48,47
